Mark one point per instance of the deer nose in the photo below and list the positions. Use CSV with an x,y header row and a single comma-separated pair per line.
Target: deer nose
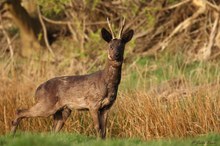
x,y
117,55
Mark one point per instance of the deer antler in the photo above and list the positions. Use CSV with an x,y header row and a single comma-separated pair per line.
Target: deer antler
x,y
110,27
122,28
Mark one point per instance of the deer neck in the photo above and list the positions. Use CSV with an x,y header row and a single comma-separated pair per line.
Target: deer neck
x,y
112,73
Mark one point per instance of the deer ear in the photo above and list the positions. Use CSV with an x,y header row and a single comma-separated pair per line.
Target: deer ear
x,y
106,35
127,36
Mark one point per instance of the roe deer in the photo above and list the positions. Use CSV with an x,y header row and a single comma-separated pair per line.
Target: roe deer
x,y
95,92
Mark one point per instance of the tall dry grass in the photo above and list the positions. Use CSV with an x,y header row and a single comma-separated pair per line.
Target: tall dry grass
x,y
138,112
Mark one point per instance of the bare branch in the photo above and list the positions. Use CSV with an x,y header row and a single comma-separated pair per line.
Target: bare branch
x,y
176,5
212,37
55,21
8,40
44,31
183,25
214,7
205,52
58,22
205,2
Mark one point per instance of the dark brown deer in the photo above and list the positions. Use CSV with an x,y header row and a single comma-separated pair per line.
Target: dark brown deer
x,y
95,92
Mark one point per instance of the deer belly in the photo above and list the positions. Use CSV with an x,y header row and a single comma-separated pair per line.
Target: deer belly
x,y
78,104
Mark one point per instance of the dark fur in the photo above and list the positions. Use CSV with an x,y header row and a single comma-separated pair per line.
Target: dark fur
x,y
94,92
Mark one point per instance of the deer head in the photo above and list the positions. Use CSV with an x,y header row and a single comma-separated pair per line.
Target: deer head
x,y
116,45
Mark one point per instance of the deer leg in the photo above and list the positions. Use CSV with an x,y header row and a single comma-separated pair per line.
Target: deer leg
x,y
38,110
61,117
95,116
57,116
17,120
103,122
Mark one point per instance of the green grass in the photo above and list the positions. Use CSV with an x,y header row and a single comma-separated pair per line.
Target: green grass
x,y
64,139
142,71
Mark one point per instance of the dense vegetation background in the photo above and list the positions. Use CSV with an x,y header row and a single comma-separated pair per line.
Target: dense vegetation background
x,y
170,82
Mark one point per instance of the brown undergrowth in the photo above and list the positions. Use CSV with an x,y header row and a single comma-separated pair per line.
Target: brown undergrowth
x,y
171,109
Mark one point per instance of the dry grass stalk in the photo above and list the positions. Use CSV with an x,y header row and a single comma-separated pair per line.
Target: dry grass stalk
x,y
136,114
5,120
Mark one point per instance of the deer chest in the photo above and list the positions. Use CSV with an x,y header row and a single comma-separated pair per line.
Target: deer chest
x,y
110,98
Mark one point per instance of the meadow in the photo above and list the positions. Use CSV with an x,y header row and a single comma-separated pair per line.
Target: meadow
x,y
161,97
67,139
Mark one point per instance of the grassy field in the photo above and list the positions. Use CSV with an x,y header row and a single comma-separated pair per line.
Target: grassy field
x,y
64,139
163,97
